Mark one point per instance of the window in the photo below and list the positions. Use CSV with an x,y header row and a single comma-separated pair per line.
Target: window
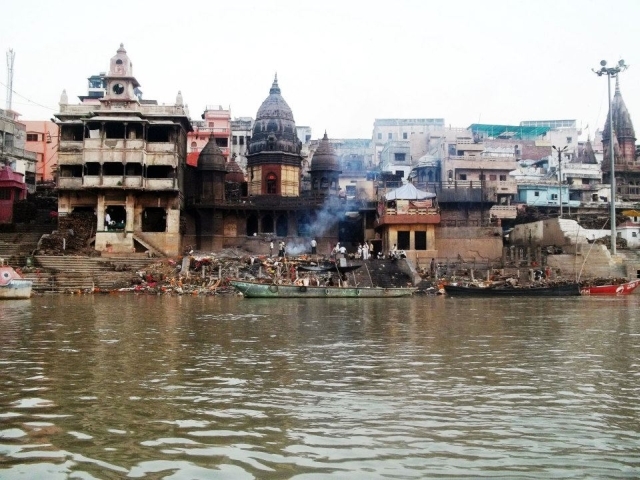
x,y
634,234
569,139
234,140
462,176
241,139
379,136
272,184
33,137
493,178
399,157
503,178
404,240
390,136
536,194
404,135
420,240
5,194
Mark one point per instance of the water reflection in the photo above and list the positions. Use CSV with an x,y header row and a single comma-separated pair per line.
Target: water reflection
x,y
187,387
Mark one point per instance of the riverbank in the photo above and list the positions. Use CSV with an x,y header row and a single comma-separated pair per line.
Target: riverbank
x,y
198,273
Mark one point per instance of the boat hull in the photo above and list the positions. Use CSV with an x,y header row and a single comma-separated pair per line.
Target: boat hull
x,y
564,290
12,285
16,290
611,289
263,290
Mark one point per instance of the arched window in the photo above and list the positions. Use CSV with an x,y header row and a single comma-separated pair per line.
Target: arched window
x,y
272,184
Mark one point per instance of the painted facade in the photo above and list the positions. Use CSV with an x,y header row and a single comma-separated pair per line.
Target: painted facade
x,y
43,138
216,123
13,148
12,189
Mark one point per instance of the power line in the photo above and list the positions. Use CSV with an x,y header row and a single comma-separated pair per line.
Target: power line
x,y
29,100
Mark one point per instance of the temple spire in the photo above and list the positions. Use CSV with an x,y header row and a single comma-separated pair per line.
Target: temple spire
x,y
274,87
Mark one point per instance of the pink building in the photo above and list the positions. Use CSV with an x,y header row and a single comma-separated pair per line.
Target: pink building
x,y
43,139
215,121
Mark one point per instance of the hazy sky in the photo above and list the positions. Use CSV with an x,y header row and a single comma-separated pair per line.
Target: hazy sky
x,y
340,64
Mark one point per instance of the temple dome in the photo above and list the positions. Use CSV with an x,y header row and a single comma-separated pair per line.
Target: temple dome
x,y
211,157
274,128
234,172
325,157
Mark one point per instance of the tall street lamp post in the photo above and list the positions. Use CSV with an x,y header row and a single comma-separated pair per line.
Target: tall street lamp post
x,y
560,152
611,72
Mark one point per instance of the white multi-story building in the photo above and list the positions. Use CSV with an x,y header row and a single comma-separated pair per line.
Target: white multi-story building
x,y
123,159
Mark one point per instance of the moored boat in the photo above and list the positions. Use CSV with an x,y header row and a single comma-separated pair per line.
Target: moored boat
x,y
564,289
12,285
271,290
609,286
328,268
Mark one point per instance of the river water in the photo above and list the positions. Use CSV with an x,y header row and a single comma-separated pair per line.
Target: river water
x,y
126,386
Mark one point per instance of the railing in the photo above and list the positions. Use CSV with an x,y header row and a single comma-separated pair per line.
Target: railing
x,y
213,130
411,211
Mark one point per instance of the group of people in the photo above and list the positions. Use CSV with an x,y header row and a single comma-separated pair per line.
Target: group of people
x,y
364,251
282,246
395,254
338,249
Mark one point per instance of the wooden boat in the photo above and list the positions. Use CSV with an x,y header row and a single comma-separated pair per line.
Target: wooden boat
x,y
608,287
534,290
12,285
328,268
267,290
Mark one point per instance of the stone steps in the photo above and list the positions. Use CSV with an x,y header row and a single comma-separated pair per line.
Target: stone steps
x,y
77,273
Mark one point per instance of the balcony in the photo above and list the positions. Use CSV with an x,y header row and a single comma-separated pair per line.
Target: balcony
x,y
408,213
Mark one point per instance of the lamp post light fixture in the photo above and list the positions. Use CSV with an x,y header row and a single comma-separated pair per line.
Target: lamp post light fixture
x,y
611,72
560,152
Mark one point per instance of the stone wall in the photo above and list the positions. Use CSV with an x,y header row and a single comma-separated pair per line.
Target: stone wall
x,y
469,242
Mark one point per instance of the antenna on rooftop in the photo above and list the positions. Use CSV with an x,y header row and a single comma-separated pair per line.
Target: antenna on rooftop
x,y
10,58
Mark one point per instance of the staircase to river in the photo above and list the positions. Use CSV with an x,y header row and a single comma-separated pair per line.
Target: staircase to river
x,y
53,273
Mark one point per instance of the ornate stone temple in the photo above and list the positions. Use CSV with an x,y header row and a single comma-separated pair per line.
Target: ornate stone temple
x,y
325,169
627,168
274,160
225,211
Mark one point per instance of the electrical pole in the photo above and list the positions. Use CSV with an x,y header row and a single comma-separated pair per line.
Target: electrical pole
x,y
560,152
10,58
611,72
